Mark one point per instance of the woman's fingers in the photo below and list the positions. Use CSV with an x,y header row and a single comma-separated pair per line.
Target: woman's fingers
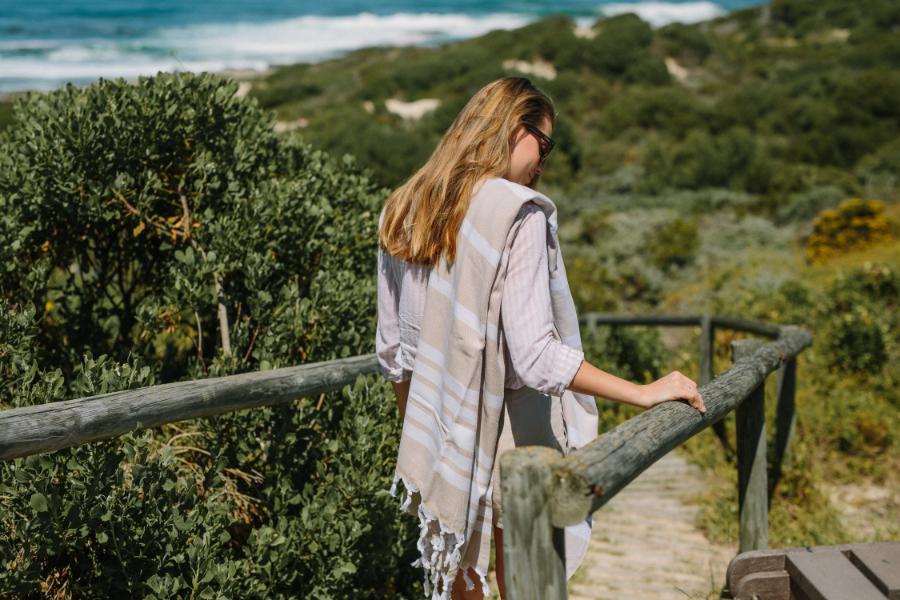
x,y
697,402
692,393
676,386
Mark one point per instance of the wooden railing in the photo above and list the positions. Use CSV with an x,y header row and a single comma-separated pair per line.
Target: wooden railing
x,y
544,491
58,425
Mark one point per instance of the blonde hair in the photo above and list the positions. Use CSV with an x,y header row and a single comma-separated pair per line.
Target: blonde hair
x,y
423,216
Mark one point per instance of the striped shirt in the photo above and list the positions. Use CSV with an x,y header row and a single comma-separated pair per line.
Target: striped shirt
x,y
534,355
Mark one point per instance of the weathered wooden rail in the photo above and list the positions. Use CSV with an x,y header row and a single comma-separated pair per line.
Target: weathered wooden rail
x,y
544,491
58,425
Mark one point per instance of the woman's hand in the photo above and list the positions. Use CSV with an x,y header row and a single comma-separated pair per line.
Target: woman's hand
x,y
673,386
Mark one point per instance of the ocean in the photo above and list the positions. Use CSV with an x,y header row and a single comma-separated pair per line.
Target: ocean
x,y
47,43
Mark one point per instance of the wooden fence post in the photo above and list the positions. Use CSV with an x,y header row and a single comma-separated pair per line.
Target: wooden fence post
x,y
533,551
784,420
753,497
707,353
706,349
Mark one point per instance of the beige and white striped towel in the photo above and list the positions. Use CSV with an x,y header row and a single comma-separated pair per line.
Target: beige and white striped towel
x,y
452,423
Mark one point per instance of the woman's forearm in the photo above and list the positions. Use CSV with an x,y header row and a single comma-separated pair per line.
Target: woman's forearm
x,y
401,391
591,380
674,386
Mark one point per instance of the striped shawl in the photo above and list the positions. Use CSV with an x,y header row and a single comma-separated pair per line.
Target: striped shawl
x,y
453,413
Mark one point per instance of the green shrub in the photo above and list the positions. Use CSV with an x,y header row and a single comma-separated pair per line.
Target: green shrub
x,y
293,83
855,223
856,340
791,12
5,114
835,118
152,204
674,244
665,109
158,517
550,38
747,105
861,313
879,172
633,353
618,42
689,44
133,218
648,68
704,160
802,206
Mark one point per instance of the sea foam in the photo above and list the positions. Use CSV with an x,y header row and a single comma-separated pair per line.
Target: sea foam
x,y
663,13
40,63
44,64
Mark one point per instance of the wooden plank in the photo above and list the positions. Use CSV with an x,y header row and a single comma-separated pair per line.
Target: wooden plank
x,y
828,575
533,550
769,585
754,561
883,557
596,472
881,564
56,425
753,497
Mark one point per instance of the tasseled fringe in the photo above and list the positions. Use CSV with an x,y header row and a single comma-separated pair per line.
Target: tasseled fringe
x,y
484,584
440,550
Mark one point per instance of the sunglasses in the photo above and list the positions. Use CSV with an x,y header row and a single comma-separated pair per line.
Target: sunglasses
x,y
545,142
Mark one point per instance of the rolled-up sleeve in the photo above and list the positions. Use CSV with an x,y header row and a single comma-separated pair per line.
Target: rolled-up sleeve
x,y
540,360
387,329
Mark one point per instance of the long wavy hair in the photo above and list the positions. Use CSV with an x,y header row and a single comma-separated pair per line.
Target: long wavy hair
x,y
422,217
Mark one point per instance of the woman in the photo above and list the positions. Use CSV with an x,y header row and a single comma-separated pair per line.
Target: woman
x,y
478,334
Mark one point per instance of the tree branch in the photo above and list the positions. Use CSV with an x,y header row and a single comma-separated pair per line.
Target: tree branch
x,y
224,328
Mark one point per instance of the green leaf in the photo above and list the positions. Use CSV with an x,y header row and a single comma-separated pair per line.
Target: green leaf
x,y
38,502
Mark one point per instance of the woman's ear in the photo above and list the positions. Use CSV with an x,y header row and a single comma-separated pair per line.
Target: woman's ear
x,y
516,136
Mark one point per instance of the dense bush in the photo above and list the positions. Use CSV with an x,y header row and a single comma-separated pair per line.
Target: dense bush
x,y
633,353
803,206
688,44
170,210
162,516
699,161
666,109
618,43
856,340
862,314
853,224
674,244
139,224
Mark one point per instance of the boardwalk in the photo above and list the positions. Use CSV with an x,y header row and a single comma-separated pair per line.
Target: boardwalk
x,y
645,545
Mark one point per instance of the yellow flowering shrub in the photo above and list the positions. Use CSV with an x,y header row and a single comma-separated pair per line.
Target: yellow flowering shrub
x,y
855,223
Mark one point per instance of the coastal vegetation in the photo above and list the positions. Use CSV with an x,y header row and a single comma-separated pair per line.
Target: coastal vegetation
x,y
174,228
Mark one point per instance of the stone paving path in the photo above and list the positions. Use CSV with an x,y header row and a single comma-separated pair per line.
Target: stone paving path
x,y
645,546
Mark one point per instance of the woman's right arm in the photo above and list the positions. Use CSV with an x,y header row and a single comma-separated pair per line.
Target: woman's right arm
x,y
387,330
674,386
